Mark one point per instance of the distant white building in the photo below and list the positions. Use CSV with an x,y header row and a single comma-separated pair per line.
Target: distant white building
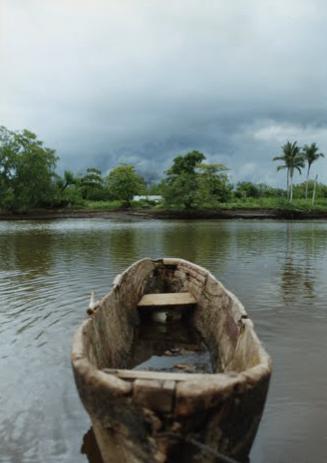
x,y
152,198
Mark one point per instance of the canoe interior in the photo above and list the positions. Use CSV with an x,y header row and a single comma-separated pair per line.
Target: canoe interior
x,y
170,345
218,316
133,412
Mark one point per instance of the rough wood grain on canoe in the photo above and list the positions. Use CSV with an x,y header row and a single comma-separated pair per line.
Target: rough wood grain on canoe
x,y
166,299
154,395
135,413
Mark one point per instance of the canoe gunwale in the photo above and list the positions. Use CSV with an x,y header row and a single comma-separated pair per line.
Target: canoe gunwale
x,y
195,386
219,383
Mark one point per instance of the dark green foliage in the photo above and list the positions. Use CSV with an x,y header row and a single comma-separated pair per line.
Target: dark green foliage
x,y
269,191
154,189
213,185
191,183
28,180
246,190
66,181
180,192
180,188
92,184
67,190
123,182
186,164
322,190
307,187
27,175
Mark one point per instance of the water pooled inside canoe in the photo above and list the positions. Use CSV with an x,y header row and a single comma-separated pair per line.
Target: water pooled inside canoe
x,y
172,346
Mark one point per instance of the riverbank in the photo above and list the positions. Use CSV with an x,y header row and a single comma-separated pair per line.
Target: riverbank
x,y
134,214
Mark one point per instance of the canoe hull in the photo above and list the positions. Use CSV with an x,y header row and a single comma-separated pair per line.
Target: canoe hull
x,y
162,418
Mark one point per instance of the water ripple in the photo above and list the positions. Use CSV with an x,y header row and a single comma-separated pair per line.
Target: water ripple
x,y
48,269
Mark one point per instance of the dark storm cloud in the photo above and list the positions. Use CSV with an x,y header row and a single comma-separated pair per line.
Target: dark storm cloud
x,y
138,81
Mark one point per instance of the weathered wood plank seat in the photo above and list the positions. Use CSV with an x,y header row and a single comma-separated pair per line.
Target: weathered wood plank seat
x,y
166,299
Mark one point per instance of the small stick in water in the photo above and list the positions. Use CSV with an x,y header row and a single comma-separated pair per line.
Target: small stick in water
x,y
93,303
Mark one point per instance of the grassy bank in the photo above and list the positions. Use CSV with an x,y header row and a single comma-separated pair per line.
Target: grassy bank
x,y
251,203
262,208
277,204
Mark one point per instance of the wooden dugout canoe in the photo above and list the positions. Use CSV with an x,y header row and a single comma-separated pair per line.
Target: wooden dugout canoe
x,y
148,416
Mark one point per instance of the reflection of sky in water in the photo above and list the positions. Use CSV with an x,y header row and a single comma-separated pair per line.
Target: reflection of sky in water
x,y
48,268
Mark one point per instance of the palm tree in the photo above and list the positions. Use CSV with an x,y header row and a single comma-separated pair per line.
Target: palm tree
x,y
65,181
293,160
310,154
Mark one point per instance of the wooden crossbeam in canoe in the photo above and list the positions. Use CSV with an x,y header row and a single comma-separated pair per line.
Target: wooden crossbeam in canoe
x,y
166,300
158,375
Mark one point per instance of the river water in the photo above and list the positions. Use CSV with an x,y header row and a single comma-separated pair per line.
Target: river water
x,y
48,269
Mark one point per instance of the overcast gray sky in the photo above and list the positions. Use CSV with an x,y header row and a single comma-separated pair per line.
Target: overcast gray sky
x,y
110,81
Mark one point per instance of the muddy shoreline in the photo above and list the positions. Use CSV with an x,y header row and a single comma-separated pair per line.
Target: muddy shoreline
x,y
135,214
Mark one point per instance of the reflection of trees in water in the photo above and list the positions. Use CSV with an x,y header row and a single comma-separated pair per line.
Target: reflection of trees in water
x,y
96,249
252,238
297,275
295,280
122,244
85,252
200,242
205,243
31,253
36,252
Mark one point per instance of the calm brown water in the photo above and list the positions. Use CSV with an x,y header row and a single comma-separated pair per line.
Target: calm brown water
x,y
278,270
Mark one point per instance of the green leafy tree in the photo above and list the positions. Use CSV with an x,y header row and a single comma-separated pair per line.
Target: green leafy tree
x,y
322,188
66,181
293,160
124,182
92,184
186,164
247,190
8,154
192,183
244,190
310,154
154,188
27,170
213,184
68,190
180,188
267,191
35,171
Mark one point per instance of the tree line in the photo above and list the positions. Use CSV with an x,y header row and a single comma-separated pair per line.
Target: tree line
x,y
28,179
